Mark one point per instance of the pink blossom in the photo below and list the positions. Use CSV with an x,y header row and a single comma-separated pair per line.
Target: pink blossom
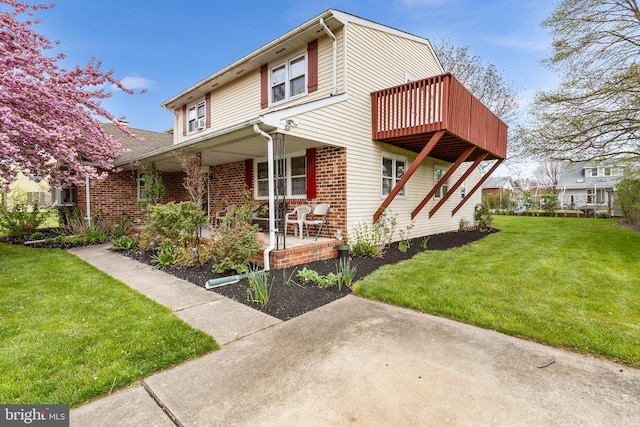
x,y
49,117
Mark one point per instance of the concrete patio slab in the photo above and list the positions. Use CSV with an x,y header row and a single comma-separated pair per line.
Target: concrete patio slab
x,y
359,362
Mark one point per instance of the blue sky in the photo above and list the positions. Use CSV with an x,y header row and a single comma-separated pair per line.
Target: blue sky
x,y
166,47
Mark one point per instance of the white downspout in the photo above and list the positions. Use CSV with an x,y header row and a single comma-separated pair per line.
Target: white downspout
x,y
335,56
272,196
88,200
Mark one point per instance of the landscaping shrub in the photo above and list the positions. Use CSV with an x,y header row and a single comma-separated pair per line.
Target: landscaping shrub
x,y
177,222
629,195
19,221
233,245
368,239
482,216
550,203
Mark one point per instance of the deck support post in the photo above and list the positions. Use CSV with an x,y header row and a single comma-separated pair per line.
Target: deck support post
x,y
444,179
459,182
478,185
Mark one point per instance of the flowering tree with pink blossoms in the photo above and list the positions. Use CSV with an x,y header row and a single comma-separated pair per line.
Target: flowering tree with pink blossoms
x,y
49,116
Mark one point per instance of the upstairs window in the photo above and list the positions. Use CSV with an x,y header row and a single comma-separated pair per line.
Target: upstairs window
x,y
289,80
393,169
196,117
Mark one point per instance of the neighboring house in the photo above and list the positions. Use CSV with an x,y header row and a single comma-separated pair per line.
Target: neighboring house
x,y
25,189
354,114
497,186
589,187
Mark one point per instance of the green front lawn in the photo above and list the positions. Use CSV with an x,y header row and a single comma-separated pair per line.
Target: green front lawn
x,y
69,332
567,282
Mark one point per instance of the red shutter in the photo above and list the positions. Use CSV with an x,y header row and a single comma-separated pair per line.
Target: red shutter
x,y
248,174
264,86
207,108
311,173
184,120
312,61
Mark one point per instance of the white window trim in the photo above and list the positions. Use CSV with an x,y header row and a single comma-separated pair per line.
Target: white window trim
x,y
440,193
57,197
140,188
202,119
394,158
256,196
287,79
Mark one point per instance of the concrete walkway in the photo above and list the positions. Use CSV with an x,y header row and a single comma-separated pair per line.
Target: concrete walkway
x,y
356,362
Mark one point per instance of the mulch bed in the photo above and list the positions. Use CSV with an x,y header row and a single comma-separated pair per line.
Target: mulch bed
x,y
290,300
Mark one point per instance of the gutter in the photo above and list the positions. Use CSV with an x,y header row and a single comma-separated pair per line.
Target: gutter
x,y
272,196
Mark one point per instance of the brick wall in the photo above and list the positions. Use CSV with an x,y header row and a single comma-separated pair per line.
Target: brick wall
x,y
119,193
299,255
226,185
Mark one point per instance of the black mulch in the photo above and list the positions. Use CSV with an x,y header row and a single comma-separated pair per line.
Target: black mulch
x,y
289,301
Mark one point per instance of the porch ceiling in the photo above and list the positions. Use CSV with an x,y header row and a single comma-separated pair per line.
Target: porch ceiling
x,y
235,146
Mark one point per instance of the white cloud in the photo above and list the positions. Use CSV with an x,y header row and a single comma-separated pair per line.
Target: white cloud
x,y
136,82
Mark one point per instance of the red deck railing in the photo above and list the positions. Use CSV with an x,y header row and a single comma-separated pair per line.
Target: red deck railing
x,y
417,108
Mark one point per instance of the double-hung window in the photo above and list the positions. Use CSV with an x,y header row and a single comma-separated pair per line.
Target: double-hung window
x,y
196,117
393,169
438,173
289,80
290,177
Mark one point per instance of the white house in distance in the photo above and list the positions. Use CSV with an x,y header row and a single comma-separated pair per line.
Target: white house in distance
x,y
353,114
589,187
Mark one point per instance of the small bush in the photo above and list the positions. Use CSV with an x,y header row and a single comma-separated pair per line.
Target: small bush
x,y
232,246
369,239
482,216
177,222
19,221
315,278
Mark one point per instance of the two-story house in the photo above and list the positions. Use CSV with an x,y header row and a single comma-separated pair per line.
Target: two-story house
x,y
589,187
340,111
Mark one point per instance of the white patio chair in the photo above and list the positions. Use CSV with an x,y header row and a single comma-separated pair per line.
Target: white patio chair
x,y
319,218
221,215
297,217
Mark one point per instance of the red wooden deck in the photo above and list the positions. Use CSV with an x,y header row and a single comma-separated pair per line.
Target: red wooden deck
x,y
410,114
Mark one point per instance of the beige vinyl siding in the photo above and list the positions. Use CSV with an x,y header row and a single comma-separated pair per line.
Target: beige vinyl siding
x,y
377,60
370,67
239,101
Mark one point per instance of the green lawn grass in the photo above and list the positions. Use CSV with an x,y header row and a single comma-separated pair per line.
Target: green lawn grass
x,y
69,332
568,282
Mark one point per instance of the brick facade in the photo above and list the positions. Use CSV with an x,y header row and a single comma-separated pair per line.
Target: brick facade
x,y
119,193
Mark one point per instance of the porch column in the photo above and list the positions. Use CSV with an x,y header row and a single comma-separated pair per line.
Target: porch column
x,y
455,186
412,168
444,179
478,185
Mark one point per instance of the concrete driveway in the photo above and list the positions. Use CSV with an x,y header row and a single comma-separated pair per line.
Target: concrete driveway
x,y
359,362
